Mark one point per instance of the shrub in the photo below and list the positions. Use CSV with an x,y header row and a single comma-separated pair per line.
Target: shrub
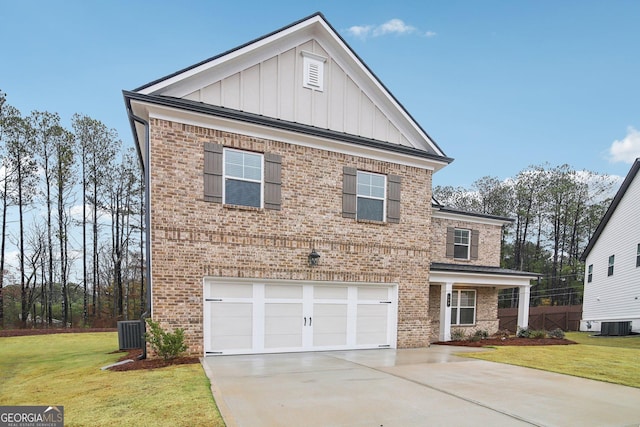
x,y
538,334
167,345
556,333
523,333
502,333
458,335
480,334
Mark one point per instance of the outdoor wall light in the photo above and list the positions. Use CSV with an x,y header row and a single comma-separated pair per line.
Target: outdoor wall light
x,y
314,257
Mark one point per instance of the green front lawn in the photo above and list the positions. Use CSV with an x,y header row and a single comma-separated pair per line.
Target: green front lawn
x,y
611,359
64,369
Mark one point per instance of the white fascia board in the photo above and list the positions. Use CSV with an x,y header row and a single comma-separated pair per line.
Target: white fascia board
x,y
230,57
437,213
291,137
480,279
343,55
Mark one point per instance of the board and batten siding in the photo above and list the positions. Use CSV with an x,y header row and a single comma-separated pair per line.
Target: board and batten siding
x,y
274,88
616,297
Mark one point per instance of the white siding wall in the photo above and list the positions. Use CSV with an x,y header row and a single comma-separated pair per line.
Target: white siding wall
x,y
616,297
273,88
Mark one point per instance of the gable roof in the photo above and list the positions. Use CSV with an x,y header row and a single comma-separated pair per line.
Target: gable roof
x,y
612,207
183,86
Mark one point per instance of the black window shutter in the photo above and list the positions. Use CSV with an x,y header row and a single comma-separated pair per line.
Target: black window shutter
x,y
475,242
450,242
394,183
212,172
349,194
272,181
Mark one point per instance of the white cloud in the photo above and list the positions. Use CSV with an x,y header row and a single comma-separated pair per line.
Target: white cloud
x,y
392,26
360,31
626,150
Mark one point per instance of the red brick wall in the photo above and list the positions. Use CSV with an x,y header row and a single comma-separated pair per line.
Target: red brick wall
x,y
192,238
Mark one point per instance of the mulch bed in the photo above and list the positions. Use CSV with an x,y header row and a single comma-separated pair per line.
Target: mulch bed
x,y
509,341
149,363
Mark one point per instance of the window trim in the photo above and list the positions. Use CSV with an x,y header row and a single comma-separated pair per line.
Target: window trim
x,y
456,321
383,198
225,150
638,256
612,261
590,273
468,244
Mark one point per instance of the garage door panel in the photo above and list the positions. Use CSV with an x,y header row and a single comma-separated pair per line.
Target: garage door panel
x,y
283,325
231,326
330,292
372,324
283,291
372,293
231,290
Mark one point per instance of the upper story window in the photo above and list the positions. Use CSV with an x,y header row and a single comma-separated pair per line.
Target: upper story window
x,y
612,260
461,243
590,274
371,196
638,256
463,307
242,178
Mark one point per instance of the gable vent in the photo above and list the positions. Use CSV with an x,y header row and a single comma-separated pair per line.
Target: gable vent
x,y
313,71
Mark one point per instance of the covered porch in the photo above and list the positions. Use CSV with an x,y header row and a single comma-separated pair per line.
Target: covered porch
x,y
468,296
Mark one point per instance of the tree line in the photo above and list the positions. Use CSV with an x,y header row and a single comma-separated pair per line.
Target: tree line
x,y
72,205
555,212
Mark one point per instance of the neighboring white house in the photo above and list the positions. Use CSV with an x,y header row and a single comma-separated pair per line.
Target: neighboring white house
x,y
612,273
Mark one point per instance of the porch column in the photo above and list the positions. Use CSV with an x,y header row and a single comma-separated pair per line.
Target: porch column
x,y
445,311
523,306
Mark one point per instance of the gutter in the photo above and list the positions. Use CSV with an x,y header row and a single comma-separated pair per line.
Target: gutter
x,y
147,215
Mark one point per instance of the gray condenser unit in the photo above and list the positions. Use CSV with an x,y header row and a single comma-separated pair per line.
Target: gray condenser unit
x,y
130,334
615,328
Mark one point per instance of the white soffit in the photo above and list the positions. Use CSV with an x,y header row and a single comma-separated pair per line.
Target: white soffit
x,y
151,111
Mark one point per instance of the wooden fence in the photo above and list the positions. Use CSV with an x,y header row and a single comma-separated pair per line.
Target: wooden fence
x,y
565,317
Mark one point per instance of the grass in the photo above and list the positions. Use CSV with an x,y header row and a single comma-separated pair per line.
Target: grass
x,y
610,359
64,369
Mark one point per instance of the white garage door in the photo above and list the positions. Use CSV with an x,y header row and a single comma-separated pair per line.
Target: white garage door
x,y
249,317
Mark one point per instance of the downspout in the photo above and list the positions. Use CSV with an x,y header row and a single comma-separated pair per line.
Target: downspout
x,y
147,220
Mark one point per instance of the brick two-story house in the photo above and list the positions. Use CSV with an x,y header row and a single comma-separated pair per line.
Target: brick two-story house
x,y
290,207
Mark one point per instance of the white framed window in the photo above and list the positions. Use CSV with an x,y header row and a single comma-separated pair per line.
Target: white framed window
x,y
590,274
371,196
638,256
612,260
243,178
463,307
313,71
461,243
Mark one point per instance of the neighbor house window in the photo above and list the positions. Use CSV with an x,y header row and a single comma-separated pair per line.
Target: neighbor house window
x,y
461,243
612,259
371,196
242,178
463,307
638,256
590,273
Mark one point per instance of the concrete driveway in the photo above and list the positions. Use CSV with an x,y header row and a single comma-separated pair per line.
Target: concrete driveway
x,y
408,387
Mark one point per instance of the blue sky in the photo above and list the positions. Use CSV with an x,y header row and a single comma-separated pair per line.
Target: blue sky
x,y
499,85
